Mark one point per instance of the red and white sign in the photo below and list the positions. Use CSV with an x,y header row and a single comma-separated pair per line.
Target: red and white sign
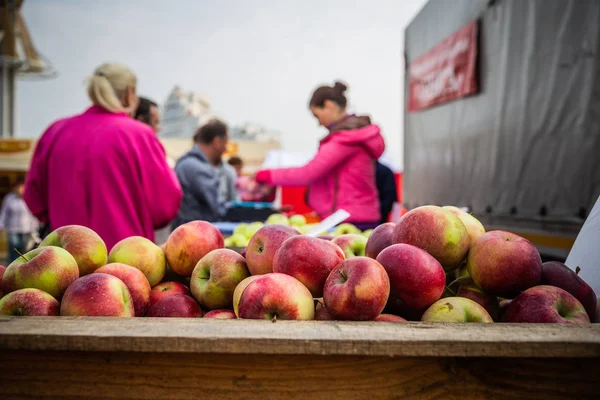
x,y
446,72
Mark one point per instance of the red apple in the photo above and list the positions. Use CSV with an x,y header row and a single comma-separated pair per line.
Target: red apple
x,y
389,318
395,306
142,254
504,264
276,296
215,278
417,279
504,303
557,274
352,244
2,269
264,244
85,245
437,231
470,290
97,295
357,289
381,238
220,314
321,313
189,243
30,302
546,304
176,306
51,269
326,237
456,309
308,259
167,289
136,282
239,289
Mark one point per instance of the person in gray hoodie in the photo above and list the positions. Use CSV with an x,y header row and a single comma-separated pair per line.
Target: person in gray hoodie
x,y
199,178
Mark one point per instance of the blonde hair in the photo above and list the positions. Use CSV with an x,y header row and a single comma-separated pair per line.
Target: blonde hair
x,y
108,85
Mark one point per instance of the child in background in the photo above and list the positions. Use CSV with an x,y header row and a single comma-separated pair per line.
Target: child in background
x,y
248,188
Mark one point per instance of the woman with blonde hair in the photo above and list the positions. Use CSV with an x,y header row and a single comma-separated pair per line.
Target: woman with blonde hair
x,y
103,169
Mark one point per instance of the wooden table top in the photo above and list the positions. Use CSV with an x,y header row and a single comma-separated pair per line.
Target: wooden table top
x,y
414,339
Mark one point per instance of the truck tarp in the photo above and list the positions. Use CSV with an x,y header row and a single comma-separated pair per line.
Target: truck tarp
x,y
530,139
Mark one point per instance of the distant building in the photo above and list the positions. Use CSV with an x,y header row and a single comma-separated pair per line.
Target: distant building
x,y
183,113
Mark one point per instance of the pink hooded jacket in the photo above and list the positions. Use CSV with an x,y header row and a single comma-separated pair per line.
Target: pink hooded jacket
x,y
105,171
341,175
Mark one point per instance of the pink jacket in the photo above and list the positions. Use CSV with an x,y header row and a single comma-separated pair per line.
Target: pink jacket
x,y
342,174
105,171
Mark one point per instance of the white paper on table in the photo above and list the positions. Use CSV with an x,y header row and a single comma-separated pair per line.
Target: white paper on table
x,y
585,253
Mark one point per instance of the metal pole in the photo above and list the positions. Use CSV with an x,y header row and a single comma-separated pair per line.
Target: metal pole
x,y
7,99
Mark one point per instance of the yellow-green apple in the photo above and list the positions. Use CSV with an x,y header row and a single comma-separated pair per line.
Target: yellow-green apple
x,y
417,279
215,278
546,304
30,302
188,243
220,314
456,309
142,254
504,264
239,289
380,239
176,306
389,318
277,219
437,231
297,220
51,269
167,289
352,244
308,259
263,245
2,269
474,227
557,274
357,289
345,228
136,282
85,245
97,295
276,296
470,290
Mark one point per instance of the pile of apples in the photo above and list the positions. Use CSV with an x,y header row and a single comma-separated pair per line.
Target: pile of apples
x,y
435,264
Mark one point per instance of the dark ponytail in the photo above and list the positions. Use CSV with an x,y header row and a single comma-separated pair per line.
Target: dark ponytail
x,y
334,93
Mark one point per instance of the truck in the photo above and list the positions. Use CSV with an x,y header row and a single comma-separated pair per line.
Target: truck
x,y
502,114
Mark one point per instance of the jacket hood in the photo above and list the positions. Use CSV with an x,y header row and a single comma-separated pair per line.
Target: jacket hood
x,y
194,152
358,131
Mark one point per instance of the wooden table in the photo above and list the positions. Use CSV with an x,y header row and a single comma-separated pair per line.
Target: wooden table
x,y
156,358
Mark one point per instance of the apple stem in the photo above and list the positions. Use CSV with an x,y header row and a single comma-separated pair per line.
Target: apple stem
x,y
450,290
274,318
19,253
459,280
577,270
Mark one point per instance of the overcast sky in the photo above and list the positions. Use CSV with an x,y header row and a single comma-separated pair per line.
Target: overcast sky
x,y
257,61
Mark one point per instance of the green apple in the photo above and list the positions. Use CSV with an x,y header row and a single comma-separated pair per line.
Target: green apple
x,y
345,228
253,228
241,229
278,219
367,233
297,220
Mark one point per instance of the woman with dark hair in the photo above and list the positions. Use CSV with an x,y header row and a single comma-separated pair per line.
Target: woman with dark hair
x,y
342,174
